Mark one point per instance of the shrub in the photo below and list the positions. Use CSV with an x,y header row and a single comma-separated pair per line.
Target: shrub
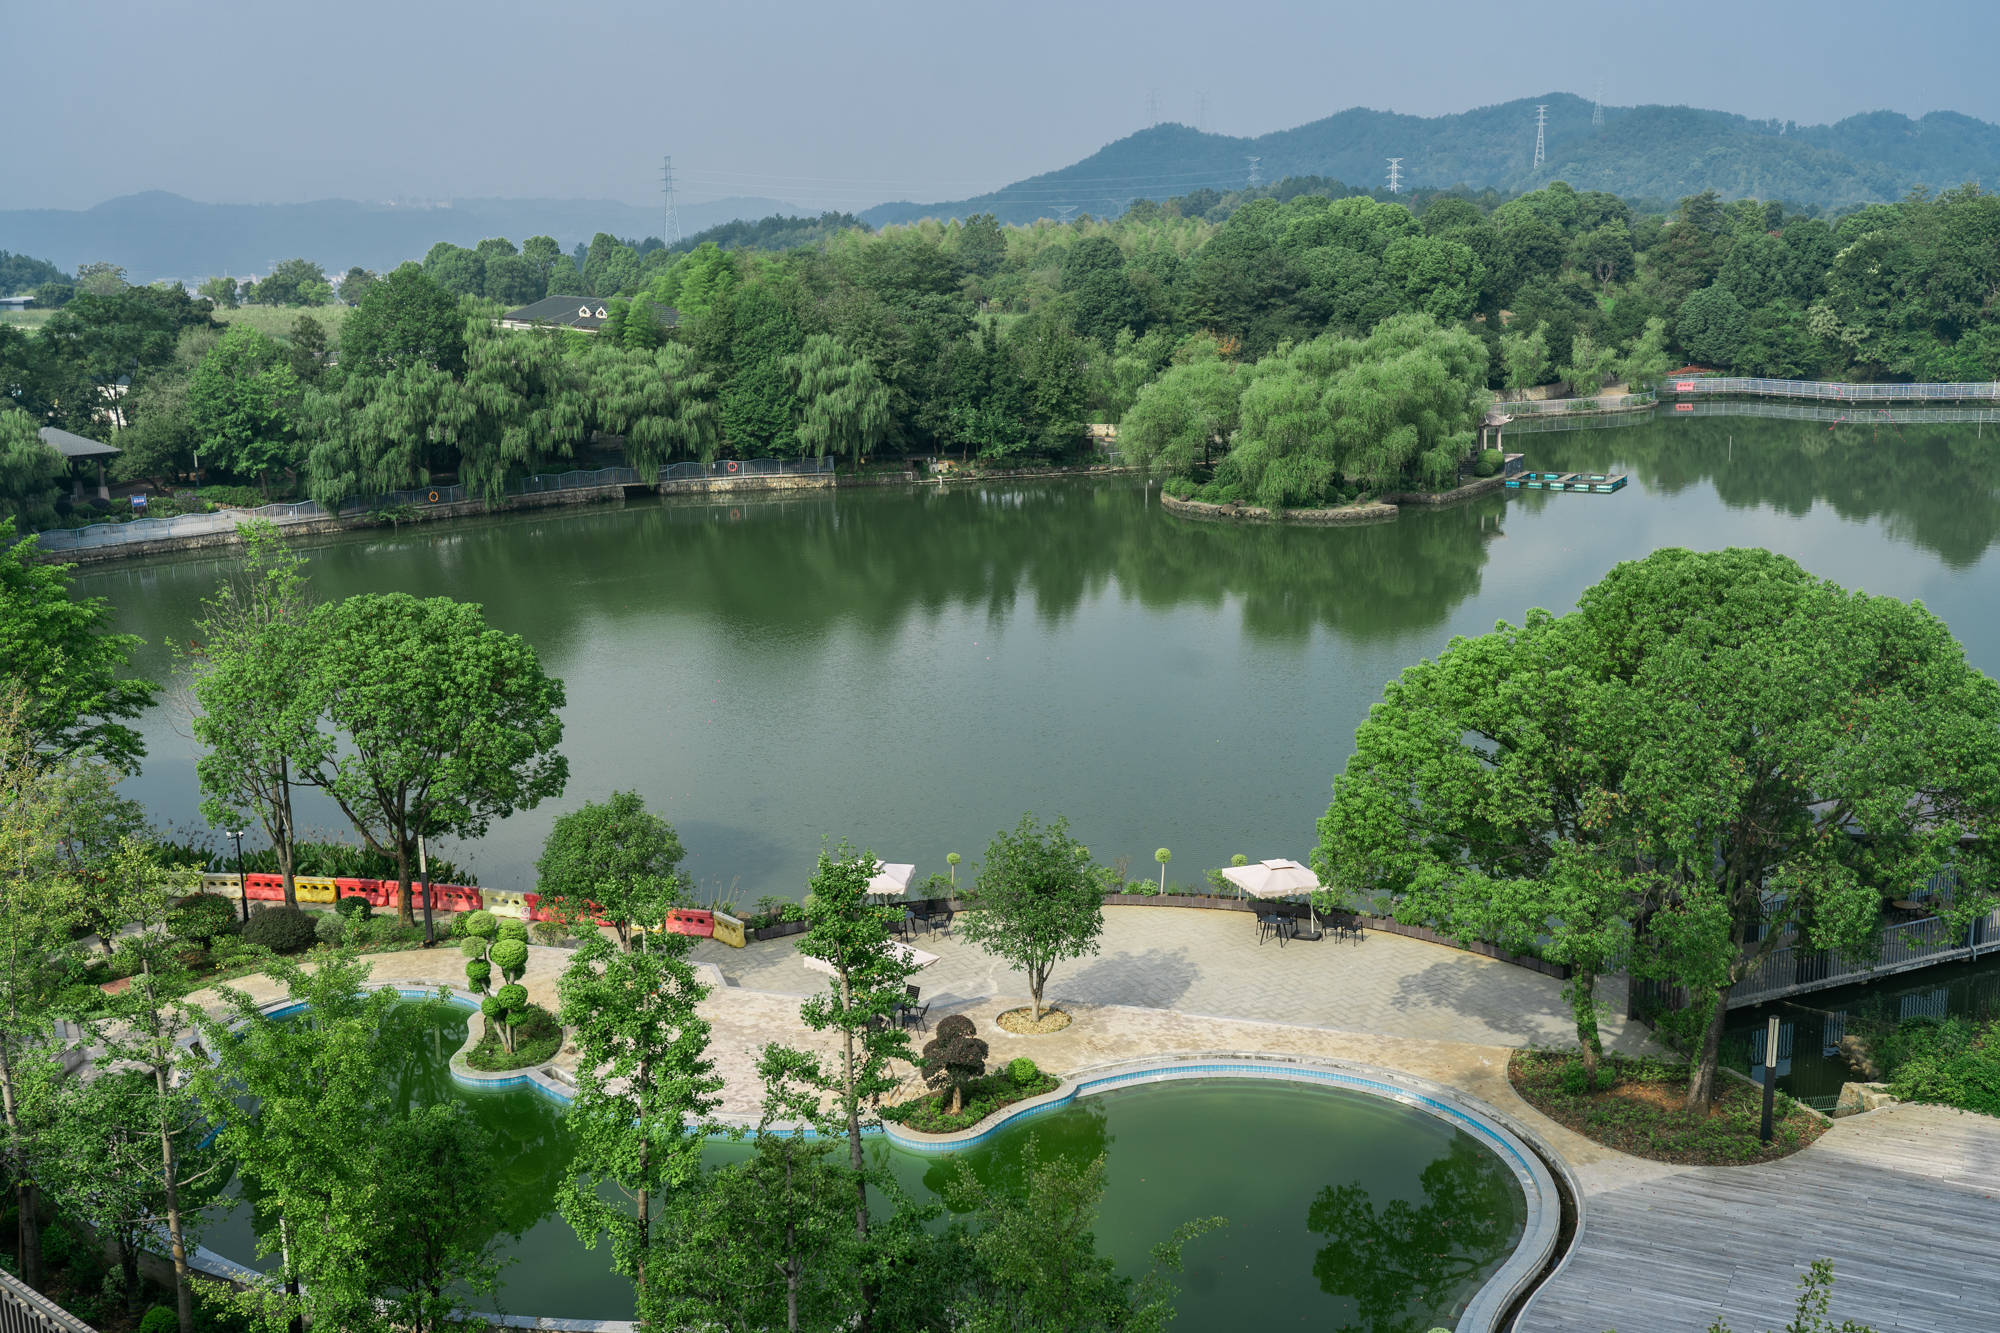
x,y
352,907
954,1058
537,1037
1022,1070
1489,463
160,1319
481,924
509,955
281,929
513,928
201,917
791,912
329,929
478,972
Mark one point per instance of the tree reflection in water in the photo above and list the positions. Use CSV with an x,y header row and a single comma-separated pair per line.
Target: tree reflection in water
x,y
1401,1263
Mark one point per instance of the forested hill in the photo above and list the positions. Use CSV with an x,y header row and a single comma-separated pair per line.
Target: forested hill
x,y
160,235
1649,152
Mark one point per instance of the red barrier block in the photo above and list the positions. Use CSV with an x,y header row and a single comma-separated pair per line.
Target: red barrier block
x,y
692,921
265,888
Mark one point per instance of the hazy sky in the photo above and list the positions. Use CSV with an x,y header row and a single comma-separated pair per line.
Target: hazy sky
x,y
847,104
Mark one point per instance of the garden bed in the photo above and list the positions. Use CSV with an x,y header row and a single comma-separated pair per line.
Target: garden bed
x,y
1023,1023
983,1096
537,1038
1636,1108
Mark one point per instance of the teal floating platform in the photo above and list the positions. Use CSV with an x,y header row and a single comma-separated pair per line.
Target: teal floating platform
x,y
1602,483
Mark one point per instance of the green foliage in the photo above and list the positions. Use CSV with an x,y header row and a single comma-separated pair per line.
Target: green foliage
x,y
1490,462
243,401
616,860
1950,1062
1023,1071
1601,780
1815,1300
31,473
159,1319
1037,901
1556,1084
58,658
535,1037
953,1058
201,918
293,282
978,1098
280,929
353,907
401,320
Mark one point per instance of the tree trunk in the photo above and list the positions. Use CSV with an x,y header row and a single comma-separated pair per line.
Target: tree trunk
x,y
865,1322
28,1229
298,1324
1582,987
287,853
644,1084
1035,992
791,1251
1701,1077
404,916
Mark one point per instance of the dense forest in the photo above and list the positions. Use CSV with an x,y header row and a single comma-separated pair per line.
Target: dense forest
x,y
1309,342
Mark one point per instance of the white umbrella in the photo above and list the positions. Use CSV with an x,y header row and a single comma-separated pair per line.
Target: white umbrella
x,y
892,881
1276,879
908,956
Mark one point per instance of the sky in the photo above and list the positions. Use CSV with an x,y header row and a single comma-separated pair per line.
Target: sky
x,y
848,104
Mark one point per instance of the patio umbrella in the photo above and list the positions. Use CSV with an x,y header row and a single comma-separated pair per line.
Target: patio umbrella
x,y
911,957
1276,879
892,881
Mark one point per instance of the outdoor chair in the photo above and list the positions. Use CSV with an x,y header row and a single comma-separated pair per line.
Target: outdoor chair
x,y
914,1016
940,920
1268,926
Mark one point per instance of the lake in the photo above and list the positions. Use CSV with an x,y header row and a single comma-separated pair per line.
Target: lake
x,y
913,668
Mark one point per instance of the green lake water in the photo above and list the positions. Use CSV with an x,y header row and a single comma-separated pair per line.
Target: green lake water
x,y
913,668
1345,1211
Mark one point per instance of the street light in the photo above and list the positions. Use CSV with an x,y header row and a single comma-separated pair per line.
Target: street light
x,y
242,882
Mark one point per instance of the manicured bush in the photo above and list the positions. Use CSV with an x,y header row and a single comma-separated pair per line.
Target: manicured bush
x,y
509,956
513,928
329,929
1489,463
953,1059
354,907
200,917
478,972
281,929
512,996
481,924
537,1038
160,1319
1022,1070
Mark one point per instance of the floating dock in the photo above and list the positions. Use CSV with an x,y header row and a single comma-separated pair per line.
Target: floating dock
x,y
1601,483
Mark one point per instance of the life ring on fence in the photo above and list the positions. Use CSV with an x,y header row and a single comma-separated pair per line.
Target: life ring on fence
x,y
732,466
433,497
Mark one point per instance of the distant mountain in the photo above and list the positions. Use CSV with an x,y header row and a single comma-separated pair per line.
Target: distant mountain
x,y
160,235
1655,152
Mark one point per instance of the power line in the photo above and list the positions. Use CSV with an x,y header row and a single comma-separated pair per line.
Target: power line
x,y
1395,175
1256,172
1541,123
672,233
1064,212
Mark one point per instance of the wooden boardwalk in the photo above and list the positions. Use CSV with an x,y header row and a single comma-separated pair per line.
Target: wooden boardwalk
x,y
1904,1201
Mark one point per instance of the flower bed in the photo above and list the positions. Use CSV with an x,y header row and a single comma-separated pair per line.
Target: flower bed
x,y
983,1097
1637,1108
537,1038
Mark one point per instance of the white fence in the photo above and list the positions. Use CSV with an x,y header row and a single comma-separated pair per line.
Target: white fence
x,y
1542,407
1704,385
1791,970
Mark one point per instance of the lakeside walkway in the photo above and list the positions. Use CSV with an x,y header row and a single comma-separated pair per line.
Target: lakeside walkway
x,y
1902,1200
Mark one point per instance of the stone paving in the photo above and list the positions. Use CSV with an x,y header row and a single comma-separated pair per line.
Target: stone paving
x,y
1210,963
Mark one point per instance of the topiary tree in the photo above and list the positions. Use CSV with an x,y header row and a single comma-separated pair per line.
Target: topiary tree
x,y
952,859
1163,856
492,945
506,1007
954,1058
1023,1071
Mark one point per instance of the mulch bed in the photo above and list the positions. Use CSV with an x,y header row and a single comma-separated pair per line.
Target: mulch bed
x,y
1021,1022
1637,1109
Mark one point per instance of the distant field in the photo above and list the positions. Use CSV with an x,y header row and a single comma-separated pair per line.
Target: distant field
x,y
25,319
277,320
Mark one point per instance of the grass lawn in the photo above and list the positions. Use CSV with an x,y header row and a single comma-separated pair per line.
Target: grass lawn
x,y
1636,1108
277,320
26,319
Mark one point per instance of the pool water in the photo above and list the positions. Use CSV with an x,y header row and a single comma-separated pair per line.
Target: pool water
x,y
1344,1210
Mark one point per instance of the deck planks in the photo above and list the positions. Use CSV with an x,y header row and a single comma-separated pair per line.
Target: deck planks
x,y
1905,1201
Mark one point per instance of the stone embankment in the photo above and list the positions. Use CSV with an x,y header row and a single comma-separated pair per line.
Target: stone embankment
x,y
1373,511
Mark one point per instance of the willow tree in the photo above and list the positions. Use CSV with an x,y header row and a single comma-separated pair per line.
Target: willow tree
x,y
1714,756
659,401
1182,416
844,407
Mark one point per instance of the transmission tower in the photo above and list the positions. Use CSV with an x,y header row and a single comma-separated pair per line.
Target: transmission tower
x,y
1256,173
1063,211
1395,175
1597,107
1152,107
1541,124
672,234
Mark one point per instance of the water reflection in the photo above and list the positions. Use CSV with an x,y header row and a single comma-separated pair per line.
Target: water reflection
x,y
1933,487
1404,1263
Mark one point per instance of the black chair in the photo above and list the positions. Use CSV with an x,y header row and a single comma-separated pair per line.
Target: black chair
x,y
1271,926
940,920
914,1016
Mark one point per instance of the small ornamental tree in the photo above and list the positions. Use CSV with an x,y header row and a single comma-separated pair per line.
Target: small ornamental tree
x,y
614,860
1163,856
492,945
1037,901
954,1058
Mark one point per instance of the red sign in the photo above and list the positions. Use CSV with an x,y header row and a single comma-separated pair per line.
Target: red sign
x,y
1684,386
1683,407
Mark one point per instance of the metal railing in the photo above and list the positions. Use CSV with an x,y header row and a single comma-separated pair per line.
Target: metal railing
x,y
1702,385
1854,415
25,1310
747,467
1790,969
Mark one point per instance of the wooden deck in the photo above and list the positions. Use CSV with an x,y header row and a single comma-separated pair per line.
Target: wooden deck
x,y
1905,1201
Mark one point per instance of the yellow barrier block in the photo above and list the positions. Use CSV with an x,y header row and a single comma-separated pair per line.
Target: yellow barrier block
x,y
315,890
214,883
729,930
501,903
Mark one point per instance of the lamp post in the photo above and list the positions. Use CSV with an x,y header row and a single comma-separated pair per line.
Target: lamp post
x,y
1770,1078
424,871
242,883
